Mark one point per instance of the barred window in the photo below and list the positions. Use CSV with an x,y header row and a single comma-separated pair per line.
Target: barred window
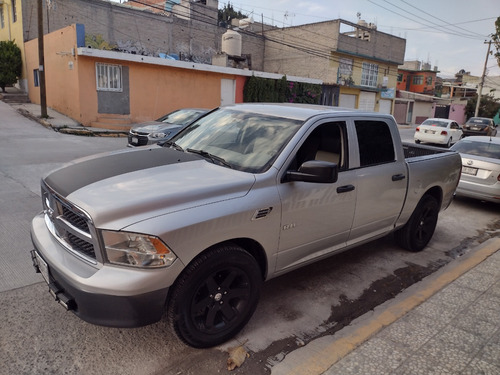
x,y
369,75
14,11
345,67
418,80
2,22
108,77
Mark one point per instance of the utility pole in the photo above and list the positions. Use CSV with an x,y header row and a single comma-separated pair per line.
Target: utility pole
x,y
482,80
41,63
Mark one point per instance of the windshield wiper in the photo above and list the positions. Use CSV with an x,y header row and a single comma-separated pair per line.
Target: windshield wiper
x,y
213,158
172,144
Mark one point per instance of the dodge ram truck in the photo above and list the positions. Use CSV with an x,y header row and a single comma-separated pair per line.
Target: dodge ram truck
x,y
190,230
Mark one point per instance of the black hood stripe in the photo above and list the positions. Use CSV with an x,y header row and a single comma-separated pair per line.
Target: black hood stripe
x,y
75,176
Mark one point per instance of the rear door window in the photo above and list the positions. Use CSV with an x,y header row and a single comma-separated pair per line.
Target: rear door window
x,y
375,142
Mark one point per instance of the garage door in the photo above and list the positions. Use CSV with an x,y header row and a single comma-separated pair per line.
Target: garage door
x,y
384,106
367,101
347,101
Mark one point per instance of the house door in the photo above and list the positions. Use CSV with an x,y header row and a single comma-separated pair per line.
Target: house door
x,y
227,91
384,106
400,109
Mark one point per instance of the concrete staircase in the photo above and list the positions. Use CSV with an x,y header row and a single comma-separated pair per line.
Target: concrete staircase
x,y
112,122
14,96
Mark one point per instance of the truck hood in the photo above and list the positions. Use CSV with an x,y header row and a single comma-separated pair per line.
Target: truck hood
x,y
125,187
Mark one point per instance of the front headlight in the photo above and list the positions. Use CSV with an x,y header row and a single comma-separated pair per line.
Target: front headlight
x,y
136,250
158,135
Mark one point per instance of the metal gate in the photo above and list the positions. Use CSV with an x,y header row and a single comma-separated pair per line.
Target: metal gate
x,y
400,111
442,111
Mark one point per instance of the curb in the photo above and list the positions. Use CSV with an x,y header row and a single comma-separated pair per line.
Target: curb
x,y
69,129
319,355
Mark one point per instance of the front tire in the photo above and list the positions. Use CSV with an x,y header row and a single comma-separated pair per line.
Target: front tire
x,y
418,231
215,296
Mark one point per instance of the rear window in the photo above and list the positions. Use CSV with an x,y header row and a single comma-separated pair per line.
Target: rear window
x,y
480,121
375,143
441,124
484,149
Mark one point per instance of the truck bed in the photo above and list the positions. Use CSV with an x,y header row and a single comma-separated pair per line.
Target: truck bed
x,y
412,150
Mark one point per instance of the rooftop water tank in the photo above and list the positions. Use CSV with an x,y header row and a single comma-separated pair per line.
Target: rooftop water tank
x,y
231,43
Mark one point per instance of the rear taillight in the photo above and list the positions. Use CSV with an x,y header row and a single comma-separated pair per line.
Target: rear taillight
x,y
444,132
498,178
417,129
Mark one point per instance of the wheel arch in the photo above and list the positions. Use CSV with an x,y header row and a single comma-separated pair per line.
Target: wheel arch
x,y
435,192
251,246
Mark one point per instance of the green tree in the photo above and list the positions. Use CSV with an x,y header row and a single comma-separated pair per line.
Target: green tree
x,y
227,13
496,39
488,106
11,63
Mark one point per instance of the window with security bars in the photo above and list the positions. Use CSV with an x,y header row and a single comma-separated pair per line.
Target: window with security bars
x,y
369,75
345,67
14,11
418,80
108,77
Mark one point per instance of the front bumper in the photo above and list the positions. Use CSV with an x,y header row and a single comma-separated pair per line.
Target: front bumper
x,y
104,295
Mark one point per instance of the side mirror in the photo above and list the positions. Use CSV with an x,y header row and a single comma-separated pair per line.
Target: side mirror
x,y
318,171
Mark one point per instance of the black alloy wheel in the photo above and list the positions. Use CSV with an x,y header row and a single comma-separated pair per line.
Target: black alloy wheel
x,y
419,229
215,296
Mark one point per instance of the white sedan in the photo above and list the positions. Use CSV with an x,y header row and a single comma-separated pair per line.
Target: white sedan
x,y
438,130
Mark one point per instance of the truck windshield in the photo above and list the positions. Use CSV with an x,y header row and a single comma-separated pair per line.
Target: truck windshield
x,y
246,141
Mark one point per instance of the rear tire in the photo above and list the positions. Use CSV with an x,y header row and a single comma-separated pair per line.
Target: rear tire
x,y
417,142
418,231
215,296
448,144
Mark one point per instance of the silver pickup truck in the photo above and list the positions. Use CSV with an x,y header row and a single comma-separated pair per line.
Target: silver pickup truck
x,y
244,194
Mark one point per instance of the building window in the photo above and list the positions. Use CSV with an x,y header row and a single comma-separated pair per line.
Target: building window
x,y
369,75
36,77
14,11
428,80
2,22
108,77
400,77
418,80
345,67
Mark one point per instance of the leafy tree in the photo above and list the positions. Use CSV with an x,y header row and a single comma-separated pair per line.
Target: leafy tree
x,y
488,106
228,13
496,39
11,63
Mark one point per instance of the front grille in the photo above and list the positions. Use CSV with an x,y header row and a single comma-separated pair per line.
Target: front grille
x,y
69,224
81,246
75,219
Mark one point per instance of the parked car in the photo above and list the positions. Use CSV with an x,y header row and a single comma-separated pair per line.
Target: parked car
x,y
242,195
164,128
480,126
480,168
438,130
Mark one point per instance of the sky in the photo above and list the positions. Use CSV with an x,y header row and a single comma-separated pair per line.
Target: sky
x,y
449,34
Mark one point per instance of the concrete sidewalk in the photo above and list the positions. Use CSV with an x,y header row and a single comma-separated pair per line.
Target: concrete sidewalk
x,y
449,323
62,123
